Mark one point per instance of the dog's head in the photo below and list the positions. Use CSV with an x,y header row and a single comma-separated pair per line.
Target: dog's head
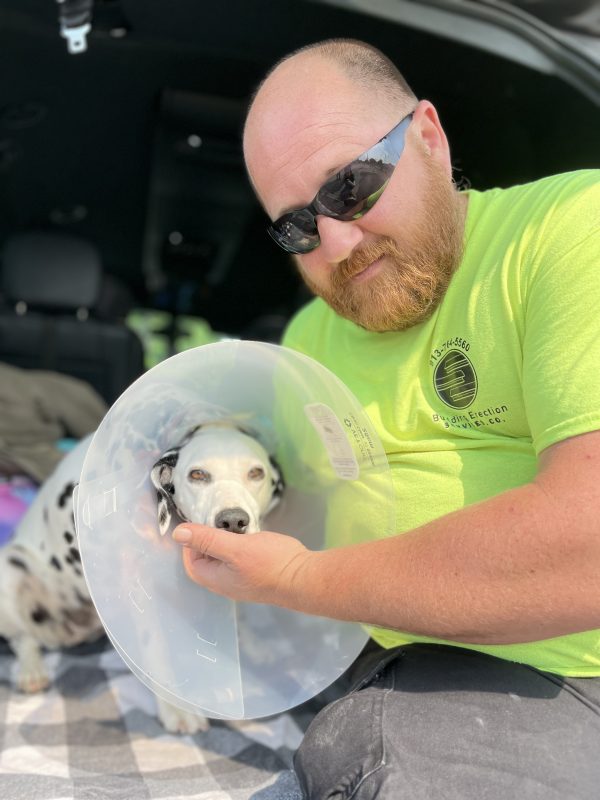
x,y
220,476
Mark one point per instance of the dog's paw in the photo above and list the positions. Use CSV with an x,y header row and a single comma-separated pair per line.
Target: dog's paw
x,y
31,675
175,720
33,679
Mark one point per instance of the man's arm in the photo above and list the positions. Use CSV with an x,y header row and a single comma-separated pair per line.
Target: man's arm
x,y
518,567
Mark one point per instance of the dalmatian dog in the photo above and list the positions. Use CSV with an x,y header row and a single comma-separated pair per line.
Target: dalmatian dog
x,y
218,475
44,601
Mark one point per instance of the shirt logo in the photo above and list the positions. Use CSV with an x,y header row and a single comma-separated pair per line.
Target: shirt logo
x,y
455,380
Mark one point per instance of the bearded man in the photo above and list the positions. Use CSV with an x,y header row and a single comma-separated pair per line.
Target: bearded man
x,y
467,324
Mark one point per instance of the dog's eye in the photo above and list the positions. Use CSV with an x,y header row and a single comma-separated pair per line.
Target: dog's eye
x,y
199,475
256,474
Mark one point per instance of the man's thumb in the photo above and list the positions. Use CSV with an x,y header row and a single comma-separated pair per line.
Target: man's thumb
x,y
204,540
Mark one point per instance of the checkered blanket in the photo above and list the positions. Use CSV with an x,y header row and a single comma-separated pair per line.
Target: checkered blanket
x,y
94,734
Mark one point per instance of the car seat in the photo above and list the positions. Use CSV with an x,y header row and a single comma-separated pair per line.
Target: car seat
x,y
54,314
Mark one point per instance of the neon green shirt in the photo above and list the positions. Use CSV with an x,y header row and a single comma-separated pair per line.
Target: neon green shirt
x,y
507,365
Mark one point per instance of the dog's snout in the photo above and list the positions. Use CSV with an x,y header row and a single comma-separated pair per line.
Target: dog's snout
x,y
232,519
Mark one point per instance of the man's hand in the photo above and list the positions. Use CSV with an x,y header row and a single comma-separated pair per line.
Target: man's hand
x,y
255,568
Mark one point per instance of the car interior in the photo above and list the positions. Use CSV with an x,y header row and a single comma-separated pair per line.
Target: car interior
x,y
132,148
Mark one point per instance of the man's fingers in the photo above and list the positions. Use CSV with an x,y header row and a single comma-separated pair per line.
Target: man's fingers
x,y
206,541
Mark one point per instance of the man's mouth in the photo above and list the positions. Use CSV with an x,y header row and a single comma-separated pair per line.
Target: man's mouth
x,y
369,271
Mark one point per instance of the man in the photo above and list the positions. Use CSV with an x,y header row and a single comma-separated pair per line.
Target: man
x,y
467,324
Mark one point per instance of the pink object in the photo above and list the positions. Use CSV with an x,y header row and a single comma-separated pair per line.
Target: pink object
x,y
16,495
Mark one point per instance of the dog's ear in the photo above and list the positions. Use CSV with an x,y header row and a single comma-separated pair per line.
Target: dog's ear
x,y
277,482
161,476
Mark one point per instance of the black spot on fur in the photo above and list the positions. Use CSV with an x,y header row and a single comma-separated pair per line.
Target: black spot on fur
x,y
66,494
278,483
85,601
74,552
46,514
40,615
278,487
162,512
68,537
16,562
56,563
170,459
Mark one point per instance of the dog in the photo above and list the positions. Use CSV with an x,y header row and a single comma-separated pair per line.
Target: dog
x,y
219,475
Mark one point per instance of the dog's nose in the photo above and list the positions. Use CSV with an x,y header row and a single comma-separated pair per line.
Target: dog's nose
x,y
232,519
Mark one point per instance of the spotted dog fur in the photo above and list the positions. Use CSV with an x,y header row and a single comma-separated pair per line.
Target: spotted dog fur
x,y
44,601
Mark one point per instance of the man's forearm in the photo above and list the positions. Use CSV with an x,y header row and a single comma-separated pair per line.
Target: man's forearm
x,y
510,569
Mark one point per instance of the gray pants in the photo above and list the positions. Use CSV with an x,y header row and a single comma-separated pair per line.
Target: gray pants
x,y
427,721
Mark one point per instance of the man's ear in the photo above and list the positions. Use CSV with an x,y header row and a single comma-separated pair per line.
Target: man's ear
x,y
161,476
433,137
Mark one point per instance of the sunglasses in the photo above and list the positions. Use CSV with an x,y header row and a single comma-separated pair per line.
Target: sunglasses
x,y
351,192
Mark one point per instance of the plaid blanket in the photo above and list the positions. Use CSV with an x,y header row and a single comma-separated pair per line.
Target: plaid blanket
x,y
94,734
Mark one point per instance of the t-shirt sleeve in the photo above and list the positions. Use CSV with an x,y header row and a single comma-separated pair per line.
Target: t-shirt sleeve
x,y
561,347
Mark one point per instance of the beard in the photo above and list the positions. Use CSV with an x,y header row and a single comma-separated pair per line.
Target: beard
x,y
414,277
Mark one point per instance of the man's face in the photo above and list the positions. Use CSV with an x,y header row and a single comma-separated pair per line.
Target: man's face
x,y
389,269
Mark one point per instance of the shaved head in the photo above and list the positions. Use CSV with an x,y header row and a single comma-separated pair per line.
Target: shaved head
x,y
364,64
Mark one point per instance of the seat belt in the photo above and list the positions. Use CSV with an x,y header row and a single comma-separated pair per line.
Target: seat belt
x,y
75,20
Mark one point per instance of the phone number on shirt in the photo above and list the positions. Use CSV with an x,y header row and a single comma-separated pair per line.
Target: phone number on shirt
x,y
449,344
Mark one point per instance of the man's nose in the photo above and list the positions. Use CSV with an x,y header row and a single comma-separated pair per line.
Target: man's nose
x,y
338,239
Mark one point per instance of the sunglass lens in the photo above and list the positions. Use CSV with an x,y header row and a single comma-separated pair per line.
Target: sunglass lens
x,y
296,232
347,194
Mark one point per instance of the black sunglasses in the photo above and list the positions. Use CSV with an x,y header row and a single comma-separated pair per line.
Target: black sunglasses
x,y
348,195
